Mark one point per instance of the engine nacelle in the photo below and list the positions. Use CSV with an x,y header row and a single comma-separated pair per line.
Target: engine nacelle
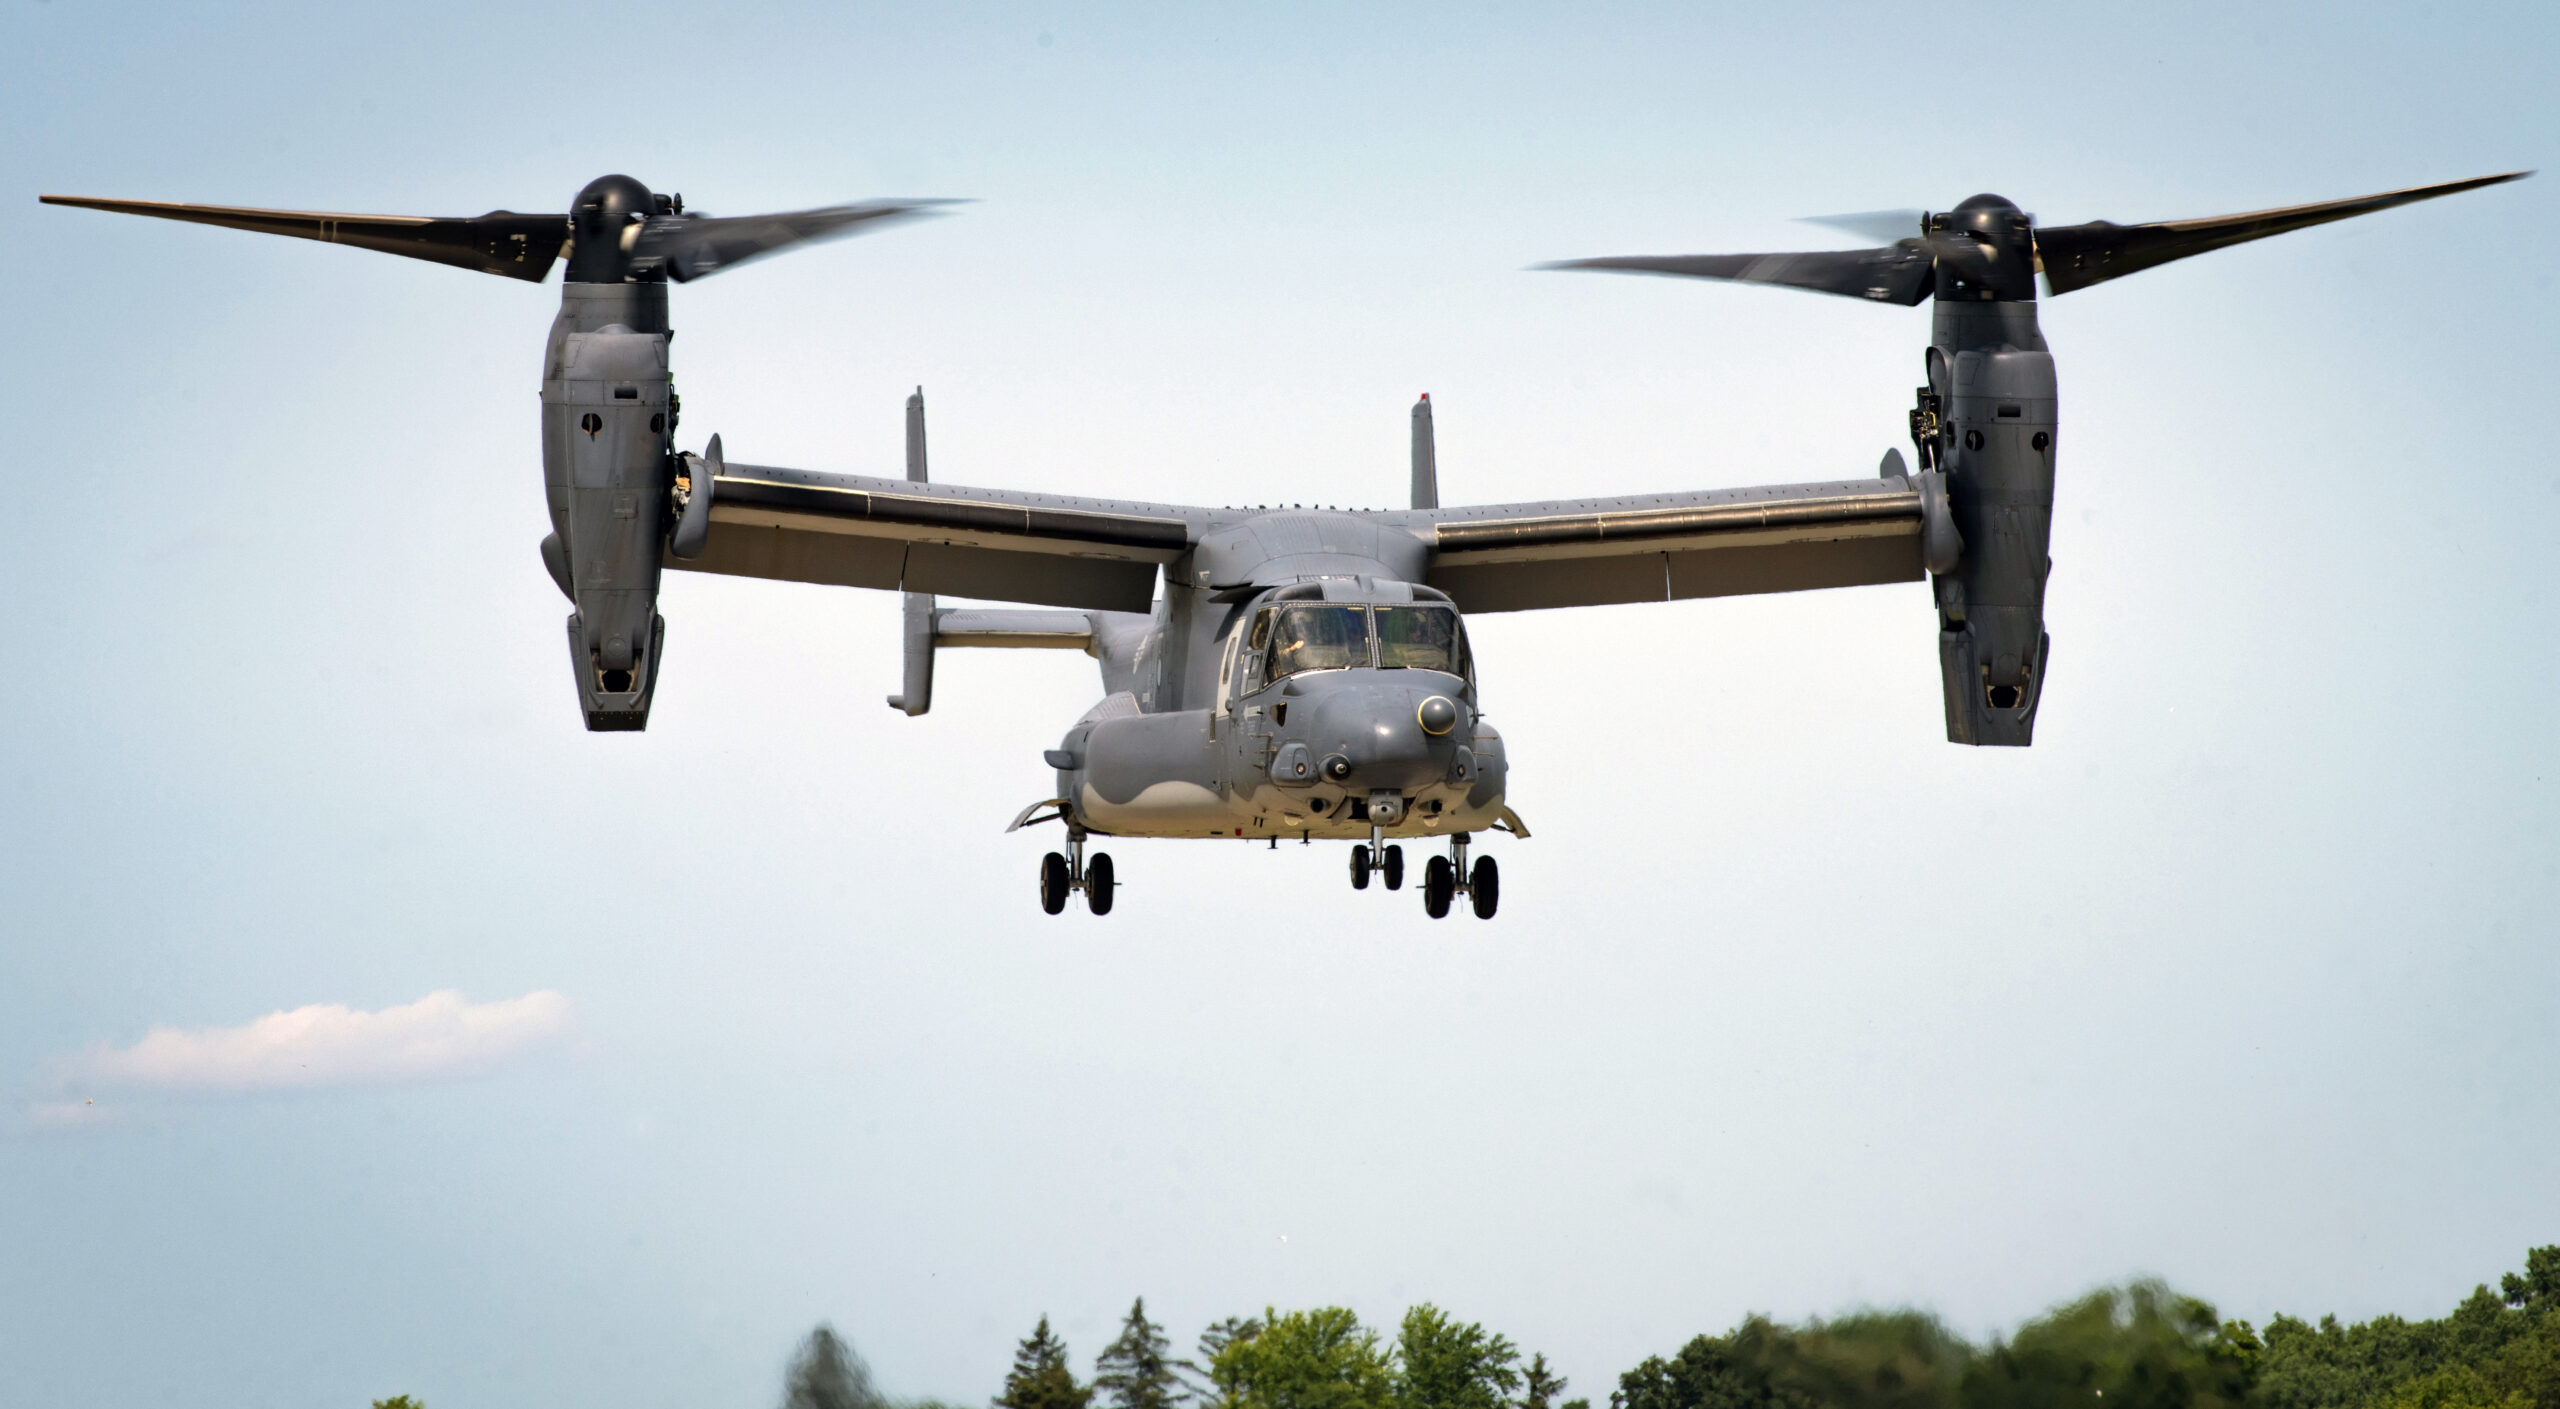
x,y
608,414
1991,415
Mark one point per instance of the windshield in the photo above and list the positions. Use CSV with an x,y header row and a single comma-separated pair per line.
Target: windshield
x,y
1315,636
1421,638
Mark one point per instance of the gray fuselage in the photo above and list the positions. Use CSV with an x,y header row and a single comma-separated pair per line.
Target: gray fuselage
x,y
1330,699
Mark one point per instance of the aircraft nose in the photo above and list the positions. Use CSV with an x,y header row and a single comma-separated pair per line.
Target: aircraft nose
x,y
1376,738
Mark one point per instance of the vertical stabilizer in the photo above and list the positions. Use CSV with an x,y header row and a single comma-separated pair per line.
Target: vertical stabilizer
x,y
915,436
916,627
1426,459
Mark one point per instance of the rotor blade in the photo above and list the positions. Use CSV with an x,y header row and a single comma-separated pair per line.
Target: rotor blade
x,y
1898,273
2076,256
1882,226
691,246
501,242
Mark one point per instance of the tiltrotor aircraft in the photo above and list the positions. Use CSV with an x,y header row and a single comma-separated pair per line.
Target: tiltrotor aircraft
x,y
1278,672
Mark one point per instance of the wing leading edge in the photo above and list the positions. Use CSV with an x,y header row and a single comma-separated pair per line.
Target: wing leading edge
x,y
951,540
1665,547
1104,555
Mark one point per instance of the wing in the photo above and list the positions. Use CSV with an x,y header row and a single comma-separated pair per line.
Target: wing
x,y
1662,547
894,534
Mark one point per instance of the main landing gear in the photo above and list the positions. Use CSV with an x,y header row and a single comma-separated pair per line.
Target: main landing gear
x,y
1446,878
1075,871
1376,855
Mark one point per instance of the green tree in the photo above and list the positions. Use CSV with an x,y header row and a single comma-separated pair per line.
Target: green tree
x,y
1320,1359
2137,1347
2143,1347
399,1401
1135,1371
2538,1290
1443,1364
826,1374
2502,1344
1707,1373
1540,1386
1201,1377
2458,1388
1874,1360
1040,1378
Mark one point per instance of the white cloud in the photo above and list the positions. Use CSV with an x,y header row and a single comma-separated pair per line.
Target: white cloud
x,y
324,1044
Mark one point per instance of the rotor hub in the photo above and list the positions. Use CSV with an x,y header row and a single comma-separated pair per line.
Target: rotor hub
x,y
601,224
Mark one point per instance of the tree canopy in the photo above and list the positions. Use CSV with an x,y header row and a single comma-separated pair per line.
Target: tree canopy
x,y
2140,1346
1541,1386
1320,1359
1041,1378
2495,1351
1136,1371
826,1374
1443,1364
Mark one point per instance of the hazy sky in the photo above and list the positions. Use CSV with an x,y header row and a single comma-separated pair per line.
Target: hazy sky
x,y
438,1046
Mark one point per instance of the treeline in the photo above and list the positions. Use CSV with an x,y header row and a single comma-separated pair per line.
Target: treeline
x,y
1319,1359
2136,1347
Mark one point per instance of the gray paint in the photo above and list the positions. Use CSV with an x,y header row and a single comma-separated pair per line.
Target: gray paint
x,y
608,428
2000,444
1426,457
916,616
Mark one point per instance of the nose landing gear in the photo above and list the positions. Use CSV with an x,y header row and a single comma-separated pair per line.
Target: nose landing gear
x,y
1062,875
1448,877
1377,856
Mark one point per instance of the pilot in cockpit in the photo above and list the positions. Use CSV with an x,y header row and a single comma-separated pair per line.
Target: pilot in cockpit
x,y
1331,636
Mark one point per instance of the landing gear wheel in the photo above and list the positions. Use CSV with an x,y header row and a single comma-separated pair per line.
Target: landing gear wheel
x,y
1359,868
1485,887
1097,883
1394,868
1053,883
1439,886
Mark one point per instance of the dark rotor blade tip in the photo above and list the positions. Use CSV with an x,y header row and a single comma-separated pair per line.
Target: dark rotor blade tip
x,y
2075,257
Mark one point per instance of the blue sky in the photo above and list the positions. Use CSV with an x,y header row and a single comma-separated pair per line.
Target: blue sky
x,y
2242,976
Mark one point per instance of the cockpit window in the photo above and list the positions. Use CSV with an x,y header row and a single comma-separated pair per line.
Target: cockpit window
x,y
1421,638
1316,636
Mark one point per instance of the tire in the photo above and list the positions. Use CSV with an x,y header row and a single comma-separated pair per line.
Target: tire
x,y
1053,883
1395,868
1098,883
1439,887
1359,868
1485,887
